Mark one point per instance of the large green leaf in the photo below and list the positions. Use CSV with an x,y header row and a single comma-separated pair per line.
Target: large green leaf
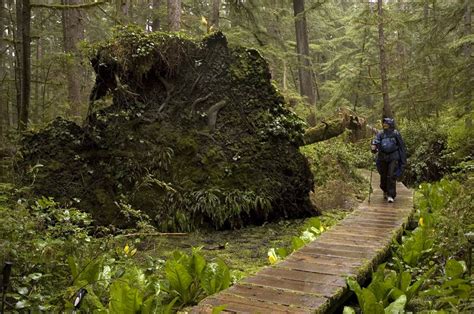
x,y
413,289
354,286
179,279
348,310
73,266
216,277
124,298
405,280
198,263
371,305
397,306
90,273
454,269
297,243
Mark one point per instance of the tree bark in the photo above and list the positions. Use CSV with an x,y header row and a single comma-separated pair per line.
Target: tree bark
x,y
467,49
302,46
73,33
215,8
387,110
156,22
24,20
174,15
3,92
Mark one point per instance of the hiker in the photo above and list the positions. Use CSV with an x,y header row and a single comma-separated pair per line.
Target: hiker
x,y
391,157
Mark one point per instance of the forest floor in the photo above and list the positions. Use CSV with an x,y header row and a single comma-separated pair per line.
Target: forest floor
x,y
244,250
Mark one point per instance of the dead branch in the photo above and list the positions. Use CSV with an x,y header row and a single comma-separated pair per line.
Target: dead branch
x,y
154,234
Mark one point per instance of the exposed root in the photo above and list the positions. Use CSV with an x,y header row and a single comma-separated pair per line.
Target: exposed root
x,y
212,114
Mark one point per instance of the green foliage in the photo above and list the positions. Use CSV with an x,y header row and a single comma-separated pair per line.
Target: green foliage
x,y
416,244
427,149
311,230
415,260
376,301
285,124
226,205
190,277
461,139
134,49
451,289
336,158
334,164
55,256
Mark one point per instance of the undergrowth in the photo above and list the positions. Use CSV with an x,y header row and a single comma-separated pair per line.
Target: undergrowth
x,y
429,269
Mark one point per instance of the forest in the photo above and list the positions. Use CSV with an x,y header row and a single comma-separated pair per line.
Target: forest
x,y
155,153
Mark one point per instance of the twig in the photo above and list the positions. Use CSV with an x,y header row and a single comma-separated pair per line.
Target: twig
x,y
161,234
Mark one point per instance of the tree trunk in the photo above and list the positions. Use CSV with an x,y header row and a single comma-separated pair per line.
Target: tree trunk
x,y
215,8
467,54
302,45
387,110
73,33
23,27
122,10
174,15
156,22
3,92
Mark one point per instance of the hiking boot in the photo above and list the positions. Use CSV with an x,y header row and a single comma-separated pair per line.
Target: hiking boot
x,y
390,199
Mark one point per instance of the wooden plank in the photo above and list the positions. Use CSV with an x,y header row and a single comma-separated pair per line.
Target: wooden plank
x,y
319,268
345,232
277,296
340,253
238,304
323,279
341,247
336,261
381,220
359,225
340,238
367,231
294,285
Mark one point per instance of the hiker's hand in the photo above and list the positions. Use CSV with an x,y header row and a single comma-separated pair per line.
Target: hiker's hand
x,y
373,148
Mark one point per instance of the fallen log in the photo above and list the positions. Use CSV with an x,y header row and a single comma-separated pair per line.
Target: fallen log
x,y
336,125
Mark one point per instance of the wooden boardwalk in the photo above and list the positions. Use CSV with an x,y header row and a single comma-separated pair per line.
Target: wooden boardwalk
x,y
313,279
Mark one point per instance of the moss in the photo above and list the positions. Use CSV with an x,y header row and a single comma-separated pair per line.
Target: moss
x,y
152,145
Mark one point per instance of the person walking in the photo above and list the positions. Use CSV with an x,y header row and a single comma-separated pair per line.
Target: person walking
x,y
391,157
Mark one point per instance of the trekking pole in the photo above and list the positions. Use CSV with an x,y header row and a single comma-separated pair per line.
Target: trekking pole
x,y
7,270
370,184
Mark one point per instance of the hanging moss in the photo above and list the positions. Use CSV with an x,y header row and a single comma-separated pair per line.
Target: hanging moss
x,y
196,136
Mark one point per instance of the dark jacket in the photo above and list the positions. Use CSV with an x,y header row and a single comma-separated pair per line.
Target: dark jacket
x,y
398,153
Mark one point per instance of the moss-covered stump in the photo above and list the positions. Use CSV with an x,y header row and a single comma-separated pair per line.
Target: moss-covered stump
x,y
191,134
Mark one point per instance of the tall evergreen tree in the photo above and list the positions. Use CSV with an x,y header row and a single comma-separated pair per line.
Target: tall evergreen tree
x,y
73,33
387,109
305,72
174,15
23,27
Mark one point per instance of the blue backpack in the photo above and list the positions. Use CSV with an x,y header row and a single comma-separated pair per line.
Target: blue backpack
x,y
388,143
